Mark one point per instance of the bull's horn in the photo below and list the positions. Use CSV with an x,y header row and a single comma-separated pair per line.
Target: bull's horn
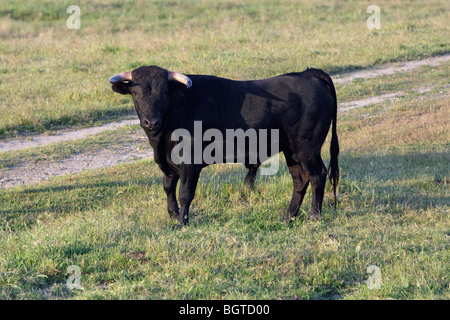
x,y
184,79
124,76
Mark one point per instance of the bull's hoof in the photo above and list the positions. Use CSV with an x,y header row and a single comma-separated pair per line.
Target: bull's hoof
x,y
249,184
181,222
313,216
288,219
173,214
178,226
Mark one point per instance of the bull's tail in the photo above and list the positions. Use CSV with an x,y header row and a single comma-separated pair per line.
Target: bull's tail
x,y
333,169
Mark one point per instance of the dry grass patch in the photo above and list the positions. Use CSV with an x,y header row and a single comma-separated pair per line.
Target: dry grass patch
x,y
420,122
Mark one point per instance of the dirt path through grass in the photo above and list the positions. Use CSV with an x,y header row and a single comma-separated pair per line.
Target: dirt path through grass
x,y
30,173
391,68
351,105
31,141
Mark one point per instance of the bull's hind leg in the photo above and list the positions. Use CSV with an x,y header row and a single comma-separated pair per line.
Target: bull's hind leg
x,y
251,175
317,173
300,184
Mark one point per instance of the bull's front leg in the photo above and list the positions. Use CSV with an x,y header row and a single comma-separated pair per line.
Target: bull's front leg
x,y
170,186
188,182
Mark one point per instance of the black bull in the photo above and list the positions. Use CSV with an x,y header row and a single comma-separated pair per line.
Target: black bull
x,y
301,106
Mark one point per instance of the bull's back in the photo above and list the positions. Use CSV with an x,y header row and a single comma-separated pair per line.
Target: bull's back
x,y
284,101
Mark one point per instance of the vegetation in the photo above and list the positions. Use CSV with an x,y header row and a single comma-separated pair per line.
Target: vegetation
x,y
52,76
393,209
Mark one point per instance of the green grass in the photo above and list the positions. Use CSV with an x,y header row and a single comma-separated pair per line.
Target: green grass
x,y
53,76
393,209
393,213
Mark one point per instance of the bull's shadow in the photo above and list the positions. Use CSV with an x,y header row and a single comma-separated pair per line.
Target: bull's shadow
x,y
26,207
392,179
414,180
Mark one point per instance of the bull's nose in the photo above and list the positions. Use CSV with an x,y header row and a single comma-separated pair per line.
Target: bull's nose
x,y
153,124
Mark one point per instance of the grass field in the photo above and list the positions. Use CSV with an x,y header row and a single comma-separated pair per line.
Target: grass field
x,y
393,209
53,76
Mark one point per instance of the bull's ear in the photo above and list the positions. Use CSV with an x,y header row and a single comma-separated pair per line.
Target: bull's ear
x,y
121,87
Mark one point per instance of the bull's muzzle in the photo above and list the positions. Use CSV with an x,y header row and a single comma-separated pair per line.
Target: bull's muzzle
x,y
150,124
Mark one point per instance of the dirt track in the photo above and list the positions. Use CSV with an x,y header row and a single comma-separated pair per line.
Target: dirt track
x,y
31,173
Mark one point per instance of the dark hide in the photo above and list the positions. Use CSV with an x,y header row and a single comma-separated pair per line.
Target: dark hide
x,y
302,106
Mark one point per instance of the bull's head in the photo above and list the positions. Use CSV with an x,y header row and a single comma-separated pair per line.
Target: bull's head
x,y
149,87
